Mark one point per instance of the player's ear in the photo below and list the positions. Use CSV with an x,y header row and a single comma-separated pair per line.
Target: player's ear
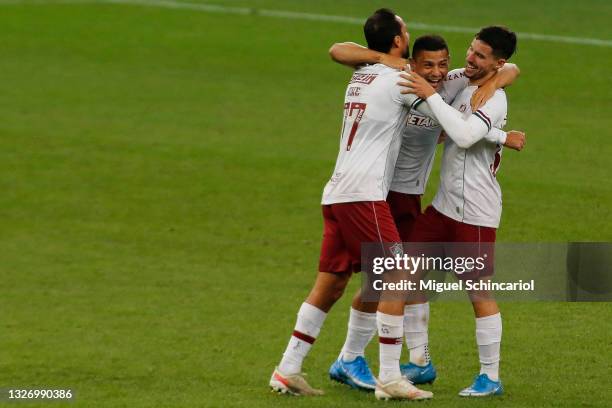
x,y
500,63
397,41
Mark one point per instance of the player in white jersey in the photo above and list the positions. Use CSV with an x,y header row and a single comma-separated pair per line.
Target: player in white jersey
x,y
355,211
467,206
374,119
430,58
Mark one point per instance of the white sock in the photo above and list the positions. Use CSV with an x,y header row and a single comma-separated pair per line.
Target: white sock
x,y
390,332
361,329
307,328
416,320
488,338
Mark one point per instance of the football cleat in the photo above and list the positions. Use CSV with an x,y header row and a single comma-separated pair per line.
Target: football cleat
x,y
419,374
355,374
400,389
482,387
294,384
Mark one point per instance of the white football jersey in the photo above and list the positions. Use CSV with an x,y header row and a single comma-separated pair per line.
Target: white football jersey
x,y
375,115
419,140
469,191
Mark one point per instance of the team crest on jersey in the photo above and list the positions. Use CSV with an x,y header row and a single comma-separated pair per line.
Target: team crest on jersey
x,y
335,178
462,108
363,78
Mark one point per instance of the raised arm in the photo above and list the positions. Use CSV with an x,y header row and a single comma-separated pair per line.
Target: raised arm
x,y
502,78
464,132
354,55
413,101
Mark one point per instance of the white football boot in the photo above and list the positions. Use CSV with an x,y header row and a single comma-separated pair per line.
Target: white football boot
x,y
294,384
400,389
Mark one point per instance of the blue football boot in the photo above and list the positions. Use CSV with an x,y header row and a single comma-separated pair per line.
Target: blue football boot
x,y
355,374
482,387
419,374
336,372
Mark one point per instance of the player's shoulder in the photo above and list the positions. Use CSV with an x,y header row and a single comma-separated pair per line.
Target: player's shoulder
x,y
375,73
379,69
497,105
391,74
499,97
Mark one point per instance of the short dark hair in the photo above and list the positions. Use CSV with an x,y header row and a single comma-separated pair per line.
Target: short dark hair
x,y
500,39
380,29
430,42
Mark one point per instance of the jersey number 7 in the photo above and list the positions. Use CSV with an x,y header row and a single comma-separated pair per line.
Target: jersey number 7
x,y
349,108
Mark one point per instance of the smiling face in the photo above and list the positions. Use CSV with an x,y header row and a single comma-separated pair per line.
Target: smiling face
x,y
480,60
431,65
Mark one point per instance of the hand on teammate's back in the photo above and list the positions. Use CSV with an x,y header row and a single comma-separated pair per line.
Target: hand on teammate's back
x,y
515,139
416,84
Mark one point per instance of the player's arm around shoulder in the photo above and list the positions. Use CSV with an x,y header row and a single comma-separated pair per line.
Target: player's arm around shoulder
x,y
352,54
504,77
463,131
355,55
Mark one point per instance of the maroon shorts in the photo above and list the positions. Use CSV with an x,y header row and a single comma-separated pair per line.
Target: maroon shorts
x,y
405,209
348,225
472,240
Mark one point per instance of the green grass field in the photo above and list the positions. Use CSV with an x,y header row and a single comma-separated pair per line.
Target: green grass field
x,y
161,173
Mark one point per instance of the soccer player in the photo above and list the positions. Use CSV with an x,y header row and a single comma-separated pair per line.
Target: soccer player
x,y
430,59
355,211
467,206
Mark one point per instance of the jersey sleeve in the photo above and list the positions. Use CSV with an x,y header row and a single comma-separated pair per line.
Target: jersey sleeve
x,y
423,108
494,111
411,101
408,100
496,135
455,82
416,103
466,132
